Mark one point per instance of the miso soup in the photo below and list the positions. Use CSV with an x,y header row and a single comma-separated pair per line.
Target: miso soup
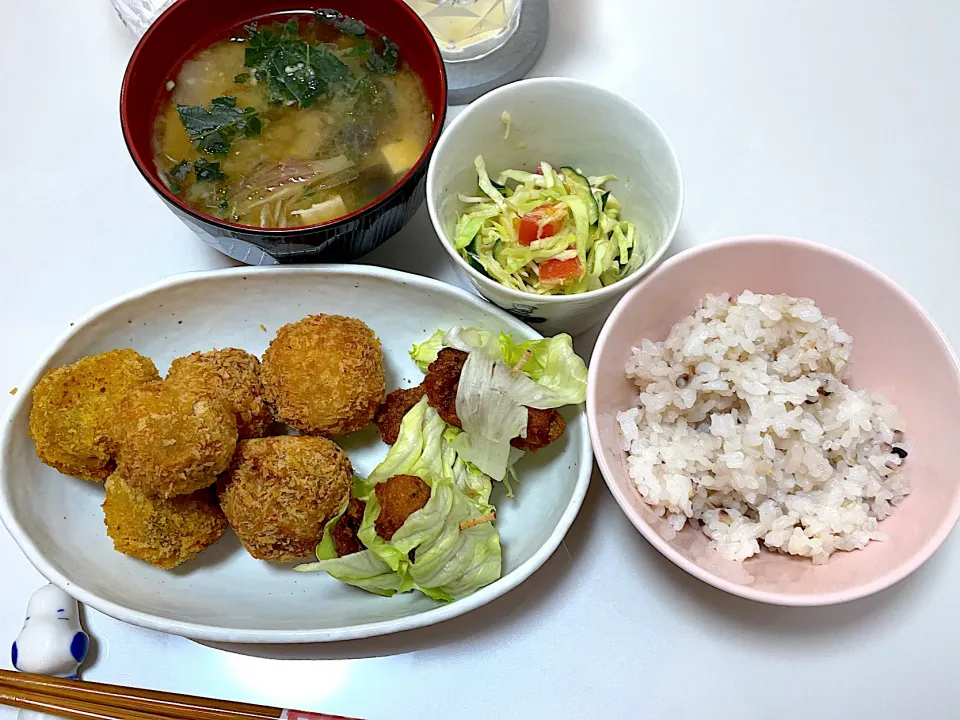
x,y
294,121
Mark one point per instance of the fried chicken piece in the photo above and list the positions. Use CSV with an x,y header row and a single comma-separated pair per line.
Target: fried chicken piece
x,y
171,439
161,532
71,404
393,410
543,428
324,375
399,498
279,492
345,538
236,375
443,381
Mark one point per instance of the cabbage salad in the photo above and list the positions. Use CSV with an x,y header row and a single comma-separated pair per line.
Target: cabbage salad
x,y
548,232
450,547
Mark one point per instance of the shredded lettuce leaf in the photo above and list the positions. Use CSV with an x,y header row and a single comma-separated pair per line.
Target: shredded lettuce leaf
x,y
455,544
500,379
550,362
458,560
363,569
469,557
425,447
490,413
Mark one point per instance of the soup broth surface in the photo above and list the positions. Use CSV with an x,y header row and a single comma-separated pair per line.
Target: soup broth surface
x,y
291,122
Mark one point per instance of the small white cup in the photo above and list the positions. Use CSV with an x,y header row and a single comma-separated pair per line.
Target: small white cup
x,y
563,122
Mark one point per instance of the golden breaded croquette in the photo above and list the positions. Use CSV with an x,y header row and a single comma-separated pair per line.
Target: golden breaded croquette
x,y
393,410
279,492
399,498
234,373
442,382
171,439
324,375
71,403
161,532
345,531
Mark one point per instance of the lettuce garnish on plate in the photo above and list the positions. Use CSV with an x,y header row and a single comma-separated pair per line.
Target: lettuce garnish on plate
x,y
449,546
501,378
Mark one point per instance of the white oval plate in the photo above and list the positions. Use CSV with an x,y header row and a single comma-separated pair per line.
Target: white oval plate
x,y
225,595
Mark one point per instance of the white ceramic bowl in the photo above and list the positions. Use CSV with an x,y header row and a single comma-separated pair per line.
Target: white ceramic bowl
x,y
225,595
565,122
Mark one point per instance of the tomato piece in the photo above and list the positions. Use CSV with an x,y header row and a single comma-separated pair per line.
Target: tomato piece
x,y
541,222
527,229
560,270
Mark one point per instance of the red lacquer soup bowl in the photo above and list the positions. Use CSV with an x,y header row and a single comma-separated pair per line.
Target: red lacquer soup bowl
x,y
187,27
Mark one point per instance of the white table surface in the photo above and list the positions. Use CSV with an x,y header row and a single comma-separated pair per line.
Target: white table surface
x,y
834,121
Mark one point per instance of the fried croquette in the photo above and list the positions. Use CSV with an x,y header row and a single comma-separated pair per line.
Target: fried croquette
x,y
324,375
234,373
279,492
171,439
161,532
393,410
345,531
71,403
441,385
399,498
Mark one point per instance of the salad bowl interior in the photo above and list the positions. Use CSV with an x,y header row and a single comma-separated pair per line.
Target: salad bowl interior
x,y
564,122
225,595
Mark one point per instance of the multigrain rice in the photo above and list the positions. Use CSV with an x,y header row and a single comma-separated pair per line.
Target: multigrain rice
x,y
745,429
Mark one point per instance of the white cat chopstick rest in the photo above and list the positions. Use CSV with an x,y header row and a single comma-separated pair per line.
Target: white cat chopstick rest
x,y
51,641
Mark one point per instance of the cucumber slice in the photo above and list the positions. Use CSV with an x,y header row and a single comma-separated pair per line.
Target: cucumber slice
x,y
602,201
578,185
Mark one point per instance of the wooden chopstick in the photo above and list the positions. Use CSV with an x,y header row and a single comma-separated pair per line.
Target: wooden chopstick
x,y
71,709
81,700
156,704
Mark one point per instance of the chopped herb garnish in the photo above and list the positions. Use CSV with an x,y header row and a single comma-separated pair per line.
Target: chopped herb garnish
x,y
308,193
343,23
180,171
242,78
372,98
252,126
211,129
207,171
175,187
357,50
295,71
384,63
222,200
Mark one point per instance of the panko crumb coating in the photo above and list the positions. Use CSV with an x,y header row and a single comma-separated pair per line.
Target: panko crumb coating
x,y
324,375
236,374
71,403
161,532
172,440
279,493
